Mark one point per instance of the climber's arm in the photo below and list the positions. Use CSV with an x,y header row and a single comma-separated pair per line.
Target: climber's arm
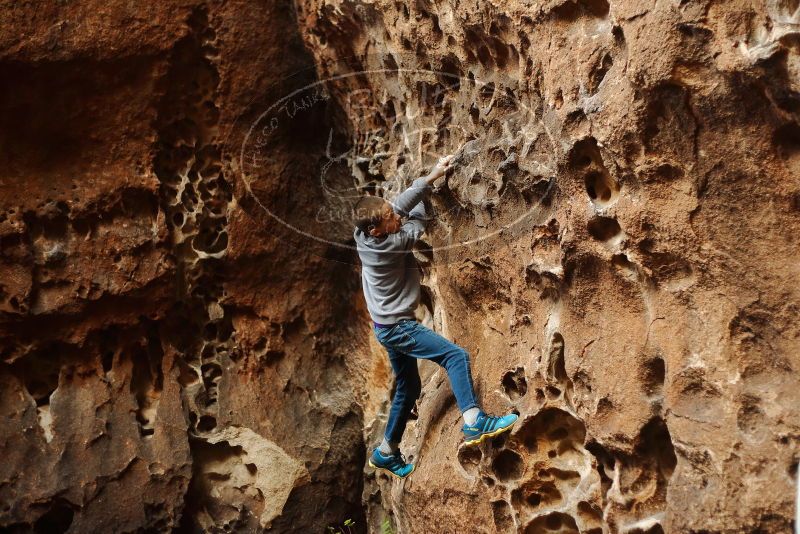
x,y
414,227
406,201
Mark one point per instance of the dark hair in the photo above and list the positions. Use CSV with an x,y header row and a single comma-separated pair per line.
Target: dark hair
x,y
367,212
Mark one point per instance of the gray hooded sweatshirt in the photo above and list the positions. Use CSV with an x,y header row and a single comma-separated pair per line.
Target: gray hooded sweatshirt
x,y
389,271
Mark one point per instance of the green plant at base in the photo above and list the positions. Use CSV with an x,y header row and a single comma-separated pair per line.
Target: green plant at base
x,y
348,523
386,527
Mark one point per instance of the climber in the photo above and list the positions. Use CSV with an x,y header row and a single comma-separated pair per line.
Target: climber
x,y
390,279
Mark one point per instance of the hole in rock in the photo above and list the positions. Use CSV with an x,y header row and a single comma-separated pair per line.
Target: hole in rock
x,y
426,294
655,442
450,73
211,331
501,52
147,380
588,512
40,374
553,522
573,10
430,96
502,516
535,493
485,56
599,73
207,423
56,520
508,465
390,114
435,29
107,360
556,368
560,474
621,261
514,383
187,375
604,407
551,429
600,187
619,34
787,140
584,153
792,470
667,172
211,372
208,351
390,64
271,357
500,441
487,91
574,121
655,529
654,373
603,228
474,113
469,457
225,329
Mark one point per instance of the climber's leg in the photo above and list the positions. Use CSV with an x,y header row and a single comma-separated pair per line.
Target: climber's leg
x,y
418,341
407,390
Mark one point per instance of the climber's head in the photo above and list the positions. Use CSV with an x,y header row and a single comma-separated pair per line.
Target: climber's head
x,y
374,216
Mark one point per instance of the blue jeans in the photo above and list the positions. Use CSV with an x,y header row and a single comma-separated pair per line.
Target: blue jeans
x,y
407,341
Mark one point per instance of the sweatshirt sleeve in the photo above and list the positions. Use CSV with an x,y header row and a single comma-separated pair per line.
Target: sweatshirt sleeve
x,y
406,201
410,203
414,227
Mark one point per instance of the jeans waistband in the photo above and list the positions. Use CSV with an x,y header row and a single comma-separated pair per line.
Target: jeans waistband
x,y
379,325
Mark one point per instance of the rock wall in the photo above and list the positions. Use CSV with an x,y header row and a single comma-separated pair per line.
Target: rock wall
x,y
616,250
183,338
170,359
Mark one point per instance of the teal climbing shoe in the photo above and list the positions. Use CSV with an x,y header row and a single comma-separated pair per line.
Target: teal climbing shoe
x,y
394,463
487,426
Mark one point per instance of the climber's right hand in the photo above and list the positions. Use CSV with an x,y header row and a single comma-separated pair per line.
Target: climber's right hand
x,y
440,168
